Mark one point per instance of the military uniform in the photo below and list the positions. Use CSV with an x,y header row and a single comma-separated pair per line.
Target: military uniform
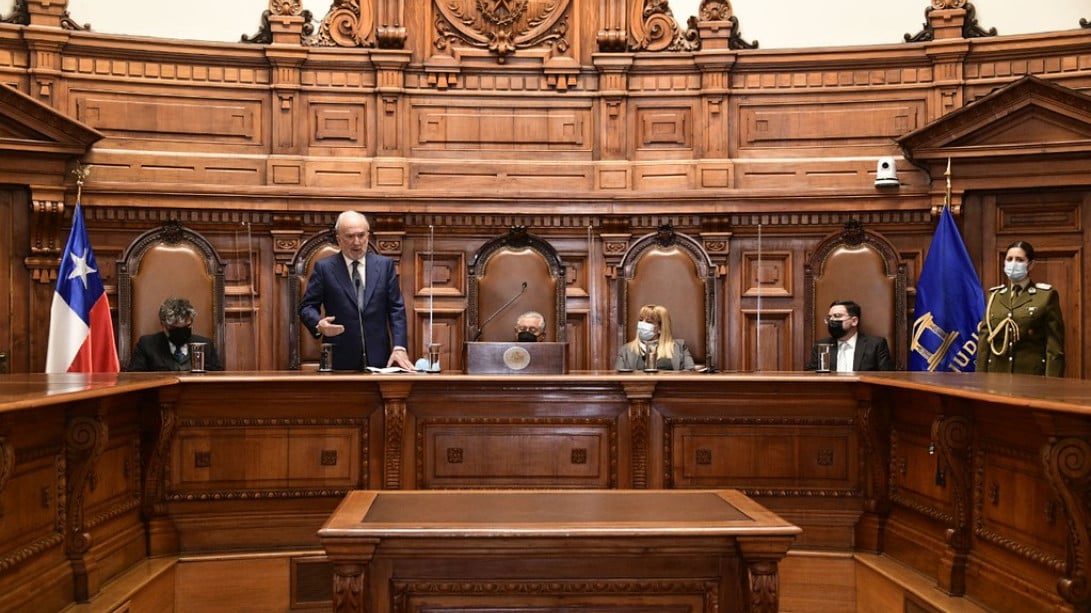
x,y
1023,331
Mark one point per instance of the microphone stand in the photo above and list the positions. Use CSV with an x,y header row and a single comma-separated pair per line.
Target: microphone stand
x,y
481,328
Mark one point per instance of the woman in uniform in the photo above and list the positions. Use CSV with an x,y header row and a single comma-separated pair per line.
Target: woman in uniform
x,y
1023,331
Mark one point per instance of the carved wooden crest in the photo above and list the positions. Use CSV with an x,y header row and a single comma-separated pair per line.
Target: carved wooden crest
x,y
502,26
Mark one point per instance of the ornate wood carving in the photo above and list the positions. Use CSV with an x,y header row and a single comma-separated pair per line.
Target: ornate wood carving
x,y
873,427
281,18
951,19
653,28
156,473
20,14
7,466
718,27
761,559
952,436
502,27
394,397
85,440
349,581
640,410
348,24
1067,465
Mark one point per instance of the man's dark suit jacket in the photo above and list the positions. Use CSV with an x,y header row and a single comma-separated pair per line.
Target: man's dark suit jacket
x,y
153,353
330,289
872,353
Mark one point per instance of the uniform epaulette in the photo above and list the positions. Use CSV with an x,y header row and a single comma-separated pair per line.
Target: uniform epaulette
x,y
993,289
1043,286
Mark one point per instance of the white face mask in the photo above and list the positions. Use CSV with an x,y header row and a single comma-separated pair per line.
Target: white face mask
x,y
1016,271
645,330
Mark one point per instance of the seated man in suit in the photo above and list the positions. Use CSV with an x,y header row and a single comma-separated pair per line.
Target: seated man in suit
x,y
530,327
854,350
169,350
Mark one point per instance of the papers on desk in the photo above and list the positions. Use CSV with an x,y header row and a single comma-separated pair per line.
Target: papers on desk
x,y
389,370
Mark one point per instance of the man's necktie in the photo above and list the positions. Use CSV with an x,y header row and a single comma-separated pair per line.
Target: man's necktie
x,y
179,355
359,283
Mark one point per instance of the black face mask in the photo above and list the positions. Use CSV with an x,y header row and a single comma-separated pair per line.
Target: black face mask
x,y
179,336
836,328
527,337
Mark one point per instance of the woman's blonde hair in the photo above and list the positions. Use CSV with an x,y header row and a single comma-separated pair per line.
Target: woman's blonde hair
x,y
658,315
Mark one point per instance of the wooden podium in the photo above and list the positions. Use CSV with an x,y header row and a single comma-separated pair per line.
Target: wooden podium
x,y
531,551
514,358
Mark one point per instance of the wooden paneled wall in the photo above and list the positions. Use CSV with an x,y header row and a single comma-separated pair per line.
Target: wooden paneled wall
x,y
591,132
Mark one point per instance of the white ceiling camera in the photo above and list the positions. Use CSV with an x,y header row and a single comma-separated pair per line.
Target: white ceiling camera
x,y
886,175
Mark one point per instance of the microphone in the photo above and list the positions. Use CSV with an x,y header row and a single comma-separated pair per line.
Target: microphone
x,y
481,328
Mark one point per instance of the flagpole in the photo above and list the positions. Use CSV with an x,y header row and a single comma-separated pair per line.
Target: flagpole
x,y
947,194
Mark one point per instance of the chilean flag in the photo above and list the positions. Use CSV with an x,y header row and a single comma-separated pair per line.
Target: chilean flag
x,y
81,333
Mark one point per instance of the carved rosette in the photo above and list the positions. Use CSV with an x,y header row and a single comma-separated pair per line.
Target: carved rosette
x,y
948,4
348,24
502,26
1067,464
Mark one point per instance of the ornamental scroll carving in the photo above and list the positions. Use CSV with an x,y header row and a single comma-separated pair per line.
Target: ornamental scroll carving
x,y
502,27
348,24
655,29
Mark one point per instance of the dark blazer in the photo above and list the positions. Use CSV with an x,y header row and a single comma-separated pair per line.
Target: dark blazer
x,y
330,290
153,353
872,353
630,358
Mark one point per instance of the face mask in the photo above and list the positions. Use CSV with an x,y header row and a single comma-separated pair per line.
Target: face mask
x,y
526,336
836,328
1016,271
645,330
179,336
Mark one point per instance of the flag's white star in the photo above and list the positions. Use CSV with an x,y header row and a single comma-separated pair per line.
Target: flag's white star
x,y
80,268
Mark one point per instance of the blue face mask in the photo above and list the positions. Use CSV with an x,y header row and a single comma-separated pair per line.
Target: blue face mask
x,y
1016,271
645,330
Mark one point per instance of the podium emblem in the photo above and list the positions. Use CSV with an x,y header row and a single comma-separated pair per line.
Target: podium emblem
x,y
516,358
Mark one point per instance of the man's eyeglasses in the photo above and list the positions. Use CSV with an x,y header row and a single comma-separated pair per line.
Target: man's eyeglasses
x,y
837,318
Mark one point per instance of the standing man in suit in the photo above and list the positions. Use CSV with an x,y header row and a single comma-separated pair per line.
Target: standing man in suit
x,y
854,350
169,350
354,300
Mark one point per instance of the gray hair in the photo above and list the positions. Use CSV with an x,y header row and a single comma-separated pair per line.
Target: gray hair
x,y
535,315
174,311
350,214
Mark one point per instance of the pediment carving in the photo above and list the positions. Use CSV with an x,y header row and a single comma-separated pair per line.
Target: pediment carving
x,y
1030,115
502,27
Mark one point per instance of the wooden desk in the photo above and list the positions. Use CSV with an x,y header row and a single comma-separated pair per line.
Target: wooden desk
x,y
535,550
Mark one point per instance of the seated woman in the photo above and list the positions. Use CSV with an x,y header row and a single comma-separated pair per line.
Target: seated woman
x,y
653,334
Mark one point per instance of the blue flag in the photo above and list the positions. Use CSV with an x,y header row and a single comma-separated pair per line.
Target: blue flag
x,y
950,304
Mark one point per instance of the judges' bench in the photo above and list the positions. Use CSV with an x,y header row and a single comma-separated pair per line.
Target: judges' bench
x,y
535,550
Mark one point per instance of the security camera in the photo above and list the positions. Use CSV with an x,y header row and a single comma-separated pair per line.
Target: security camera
x,y
886,174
